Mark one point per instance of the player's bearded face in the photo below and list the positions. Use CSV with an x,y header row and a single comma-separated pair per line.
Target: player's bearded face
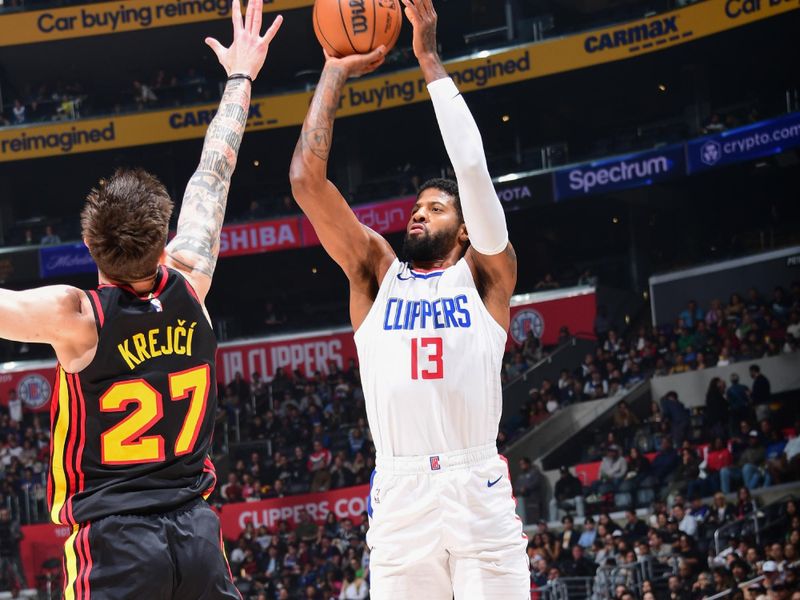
x,y
430,246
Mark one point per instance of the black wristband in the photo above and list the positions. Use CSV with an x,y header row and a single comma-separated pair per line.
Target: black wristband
x,y
240,76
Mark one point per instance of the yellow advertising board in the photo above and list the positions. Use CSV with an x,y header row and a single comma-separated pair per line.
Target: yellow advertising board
x,y
84,20
405,87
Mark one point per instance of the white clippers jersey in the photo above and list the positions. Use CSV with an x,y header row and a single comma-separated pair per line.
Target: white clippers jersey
x,y
430,357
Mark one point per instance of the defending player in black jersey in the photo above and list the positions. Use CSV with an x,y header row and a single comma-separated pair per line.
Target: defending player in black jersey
x,y
134,397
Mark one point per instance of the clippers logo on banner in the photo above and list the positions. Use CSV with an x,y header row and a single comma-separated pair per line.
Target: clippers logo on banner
x,y
619,173
33,385
34,391
545,313
525,322
758,140
347,503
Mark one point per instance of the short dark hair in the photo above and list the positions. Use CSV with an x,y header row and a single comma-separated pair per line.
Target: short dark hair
x,y
449,187
755,368
125,223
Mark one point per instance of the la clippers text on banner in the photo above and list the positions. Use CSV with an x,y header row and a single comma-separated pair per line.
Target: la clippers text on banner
x,y
347,503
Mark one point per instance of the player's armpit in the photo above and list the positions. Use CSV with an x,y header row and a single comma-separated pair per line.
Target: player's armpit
x,y
53,315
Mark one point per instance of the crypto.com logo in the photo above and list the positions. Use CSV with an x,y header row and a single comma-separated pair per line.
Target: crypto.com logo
x,y
711,153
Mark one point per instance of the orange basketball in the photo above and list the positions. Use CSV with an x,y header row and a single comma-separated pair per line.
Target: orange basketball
x,y
345,27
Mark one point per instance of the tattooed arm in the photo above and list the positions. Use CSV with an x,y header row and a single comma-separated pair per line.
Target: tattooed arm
x,y
360,252
195,248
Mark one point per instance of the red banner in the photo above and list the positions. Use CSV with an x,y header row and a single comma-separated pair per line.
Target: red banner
x,y
42,543
262,236
545,313
32,382
347,503
309,353
383,217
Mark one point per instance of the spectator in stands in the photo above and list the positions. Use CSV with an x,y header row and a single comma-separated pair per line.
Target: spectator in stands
x,y
10,537
596,387
716,412
624,422
678,415
761,393
714,124
19,112
546,283
530,486
738,397
692,314
567,539
746,467
588,535
664,463
634,529
787,466
793,328
577,565
143,95
568,494
687,471
50,238
318,462
613,468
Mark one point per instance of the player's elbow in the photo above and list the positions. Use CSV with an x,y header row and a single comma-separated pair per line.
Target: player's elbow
x,y
303,179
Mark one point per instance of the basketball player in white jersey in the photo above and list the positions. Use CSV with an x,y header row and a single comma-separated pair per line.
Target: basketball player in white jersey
x,y
430,334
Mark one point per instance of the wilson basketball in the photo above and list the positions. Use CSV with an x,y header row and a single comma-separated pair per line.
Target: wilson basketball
x,y
345,27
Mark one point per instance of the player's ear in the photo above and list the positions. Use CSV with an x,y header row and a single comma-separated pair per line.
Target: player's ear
x,y
463,234
162,260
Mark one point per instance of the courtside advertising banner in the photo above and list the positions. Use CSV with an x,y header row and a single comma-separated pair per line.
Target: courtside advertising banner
x,y
68,259
619,173
118,17
758,140
308,353
545,313
347,503
259,237
383,217
390,90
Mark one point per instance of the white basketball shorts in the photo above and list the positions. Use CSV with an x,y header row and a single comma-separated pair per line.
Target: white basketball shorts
x,y
446,525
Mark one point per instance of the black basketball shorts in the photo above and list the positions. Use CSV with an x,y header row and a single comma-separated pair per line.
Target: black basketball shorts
x,y
170,556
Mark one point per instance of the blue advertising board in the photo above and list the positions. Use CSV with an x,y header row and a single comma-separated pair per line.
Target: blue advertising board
x,y
68,259
619,173
758,140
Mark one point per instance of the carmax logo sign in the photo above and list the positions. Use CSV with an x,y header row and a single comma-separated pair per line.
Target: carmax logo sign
x,y
637,36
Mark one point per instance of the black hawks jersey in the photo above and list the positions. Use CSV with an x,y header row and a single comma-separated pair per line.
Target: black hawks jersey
x,y
131,433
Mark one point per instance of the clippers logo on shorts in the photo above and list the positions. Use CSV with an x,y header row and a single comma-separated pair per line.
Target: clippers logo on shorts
x,y
34,391
435,466
525,321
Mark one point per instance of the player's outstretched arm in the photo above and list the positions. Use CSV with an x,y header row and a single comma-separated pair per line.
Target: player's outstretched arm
x,y
359,251
490,252
58,315
195,248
